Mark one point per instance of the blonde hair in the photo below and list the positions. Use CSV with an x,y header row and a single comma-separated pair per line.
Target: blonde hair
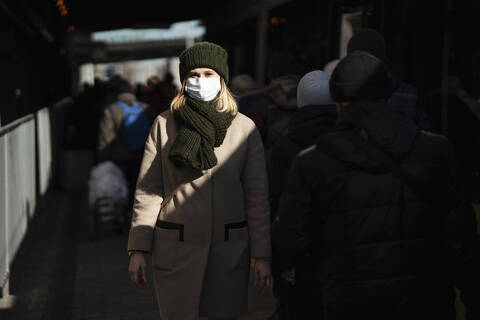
x,y
224,101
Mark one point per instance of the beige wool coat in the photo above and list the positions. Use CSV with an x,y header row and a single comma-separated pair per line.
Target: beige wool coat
x,y
203,238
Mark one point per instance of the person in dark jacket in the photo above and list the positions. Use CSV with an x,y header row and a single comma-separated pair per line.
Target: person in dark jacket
x,y
405,97
272,107
158,94
463,131
380,209
316,115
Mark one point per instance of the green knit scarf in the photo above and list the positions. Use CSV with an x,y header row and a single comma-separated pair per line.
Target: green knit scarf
x,y
201,128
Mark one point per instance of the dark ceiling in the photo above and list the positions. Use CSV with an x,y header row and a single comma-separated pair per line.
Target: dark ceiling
x,y
51,19
104,15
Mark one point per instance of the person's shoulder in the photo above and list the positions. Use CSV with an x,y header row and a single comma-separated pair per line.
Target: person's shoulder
x,y
306,156
113,110
433,139
406,88
243,121
435,147
114,106
308,151
306,160
163,117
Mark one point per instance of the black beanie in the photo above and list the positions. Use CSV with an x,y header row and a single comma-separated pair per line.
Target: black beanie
x,y
370,41
360,76
204,55
283,64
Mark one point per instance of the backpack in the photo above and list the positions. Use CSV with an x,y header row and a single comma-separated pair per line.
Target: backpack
x,y
136,125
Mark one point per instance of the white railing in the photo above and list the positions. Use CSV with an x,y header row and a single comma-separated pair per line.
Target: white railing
x,y
17,187
44,140
28,151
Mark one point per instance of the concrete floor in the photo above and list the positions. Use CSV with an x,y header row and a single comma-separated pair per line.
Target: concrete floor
x,y
60,274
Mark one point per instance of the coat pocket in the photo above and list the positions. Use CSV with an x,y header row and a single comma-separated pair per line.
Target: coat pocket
x,y
167,225
236,231
167,238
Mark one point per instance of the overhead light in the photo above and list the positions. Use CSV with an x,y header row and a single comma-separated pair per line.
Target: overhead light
x,y
62,7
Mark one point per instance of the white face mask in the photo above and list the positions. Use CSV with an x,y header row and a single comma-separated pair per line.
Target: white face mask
x,y
203,89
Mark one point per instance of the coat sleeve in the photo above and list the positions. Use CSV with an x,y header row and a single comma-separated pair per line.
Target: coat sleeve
x,y
107,133
462,240
148,194
292,231
255,186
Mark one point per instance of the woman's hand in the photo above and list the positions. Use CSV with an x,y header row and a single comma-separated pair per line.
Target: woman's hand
x,y
137,269
262,276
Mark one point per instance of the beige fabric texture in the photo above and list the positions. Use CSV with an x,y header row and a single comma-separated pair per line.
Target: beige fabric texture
x,y
205,273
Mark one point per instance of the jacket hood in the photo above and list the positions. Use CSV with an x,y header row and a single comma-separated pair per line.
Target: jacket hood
x,y
310,122
283,92
378,123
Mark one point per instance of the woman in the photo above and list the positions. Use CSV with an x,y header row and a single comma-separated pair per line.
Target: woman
x,y
204,170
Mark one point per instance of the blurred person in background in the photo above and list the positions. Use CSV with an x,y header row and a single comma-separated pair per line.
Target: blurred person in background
x,y
123,130
159,93
140,89
463,130
204,169
243,84
316,115
272,108
87,110
405,97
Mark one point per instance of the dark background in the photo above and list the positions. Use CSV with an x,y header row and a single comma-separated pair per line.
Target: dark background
x,y
37,68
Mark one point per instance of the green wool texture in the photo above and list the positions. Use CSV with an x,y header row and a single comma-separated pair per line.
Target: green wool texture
x,y
201,128
204,55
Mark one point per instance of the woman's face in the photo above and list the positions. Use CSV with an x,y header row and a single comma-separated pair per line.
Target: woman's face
x,y
202,73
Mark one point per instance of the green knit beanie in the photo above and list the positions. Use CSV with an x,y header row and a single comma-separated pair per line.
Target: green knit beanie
x,y
204,55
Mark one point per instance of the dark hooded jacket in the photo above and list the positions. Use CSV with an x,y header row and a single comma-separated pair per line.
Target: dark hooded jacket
x,y
405,100
305,126
272,108
382,248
